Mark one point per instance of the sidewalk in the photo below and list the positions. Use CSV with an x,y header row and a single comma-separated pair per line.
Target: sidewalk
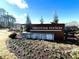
x,y
4,53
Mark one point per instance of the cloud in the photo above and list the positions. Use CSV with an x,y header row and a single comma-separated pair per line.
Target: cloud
x,y
20,18
20,3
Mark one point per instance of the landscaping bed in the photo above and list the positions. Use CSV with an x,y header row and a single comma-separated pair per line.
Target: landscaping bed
x,y
35,49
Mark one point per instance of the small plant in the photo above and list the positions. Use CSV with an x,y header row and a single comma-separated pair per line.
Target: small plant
x,y
74,55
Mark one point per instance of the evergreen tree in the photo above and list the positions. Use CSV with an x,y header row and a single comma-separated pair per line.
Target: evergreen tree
x,y
55,18
41,20
28,21
28,24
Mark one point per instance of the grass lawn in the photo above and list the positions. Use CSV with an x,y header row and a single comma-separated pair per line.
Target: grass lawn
x,y
4,52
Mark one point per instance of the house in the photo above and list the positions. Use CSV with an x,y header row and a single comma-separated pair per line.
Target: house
x,y
70,32
6,20
52,31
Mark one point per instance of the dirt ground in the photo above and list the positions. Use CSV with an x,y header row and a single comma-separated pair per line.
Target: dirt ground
x,y
4,52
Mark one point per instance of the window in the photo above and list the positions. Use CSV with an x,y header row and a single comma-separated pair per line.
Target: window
x,y
50,36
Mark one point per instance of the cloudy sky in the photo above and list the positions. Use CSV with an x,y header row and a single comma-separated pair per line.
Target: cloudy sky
x,y
67,10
